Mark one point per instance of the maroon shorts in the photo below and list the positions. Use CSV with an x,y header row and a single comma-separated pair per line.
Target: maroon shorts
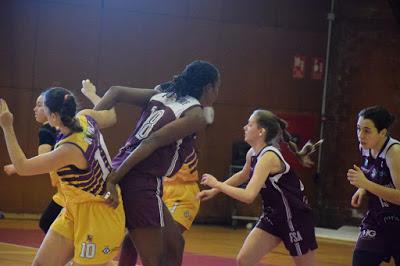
x,y
143,207
379,239
297,233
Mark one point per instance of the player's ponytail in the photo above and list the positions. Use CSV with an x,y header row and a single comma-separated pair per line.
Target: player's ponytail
x,y
276,129
286,136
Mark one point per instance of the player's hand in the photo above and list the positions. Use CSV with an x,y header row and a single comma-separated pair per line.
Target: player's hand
x,y
209,180
357,198
111,195
306,151
206,194
6,117
88,88
9,169
356,177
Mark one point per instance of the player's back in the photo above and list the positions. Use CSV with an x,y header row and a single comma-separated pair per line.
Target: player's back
x,y
82,185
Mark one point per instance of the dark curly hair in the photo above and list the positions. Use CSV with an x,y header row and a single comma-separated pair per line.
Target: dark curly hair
x,y
192,80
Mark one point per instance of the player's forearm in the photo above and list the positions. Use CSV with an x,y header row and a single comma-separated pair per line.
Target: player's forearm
x,y
243,195
236,179
108,100
15,152
362,190
144,150
93,98
391,195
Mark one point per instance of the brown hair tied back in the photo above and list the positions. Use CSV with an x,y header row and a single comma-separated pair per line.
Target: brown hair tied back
x,y
276,127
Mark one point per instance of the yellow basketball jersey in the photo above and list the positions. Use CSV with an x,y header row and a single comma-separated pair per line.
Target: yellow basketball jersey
x,y
187,173
83,185
59,196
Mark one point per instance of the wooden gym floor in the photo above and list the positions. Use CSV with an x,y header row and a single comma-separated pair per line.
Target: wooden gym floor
x,y
215,244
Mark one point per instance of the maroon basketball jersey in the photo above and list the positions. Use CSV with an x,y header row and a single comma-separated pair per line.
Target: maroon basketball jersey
x,y
380,211
166,160
283,190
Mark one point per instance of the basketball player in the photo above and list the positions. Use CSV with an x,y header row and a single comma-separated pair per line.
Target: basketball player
x,y
87,231
286,214
47,140
161,143
378,178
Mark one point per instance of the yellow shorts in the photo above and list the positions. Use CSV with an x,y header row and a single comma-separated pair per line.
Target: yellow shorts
x,y
180,199
96,229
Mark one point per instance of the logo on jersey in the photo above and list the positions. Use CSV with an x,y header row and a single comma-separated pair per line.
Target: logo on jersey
x,y
367,234
295,237
391,219
268,214
187,215
89,238
106,250
267,219
373,173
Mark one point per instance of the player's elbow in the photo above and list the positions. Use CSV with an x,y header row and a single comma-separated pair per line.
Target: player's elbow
x,y
22,171
111,118
113,90
248,200
250,197
110,98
